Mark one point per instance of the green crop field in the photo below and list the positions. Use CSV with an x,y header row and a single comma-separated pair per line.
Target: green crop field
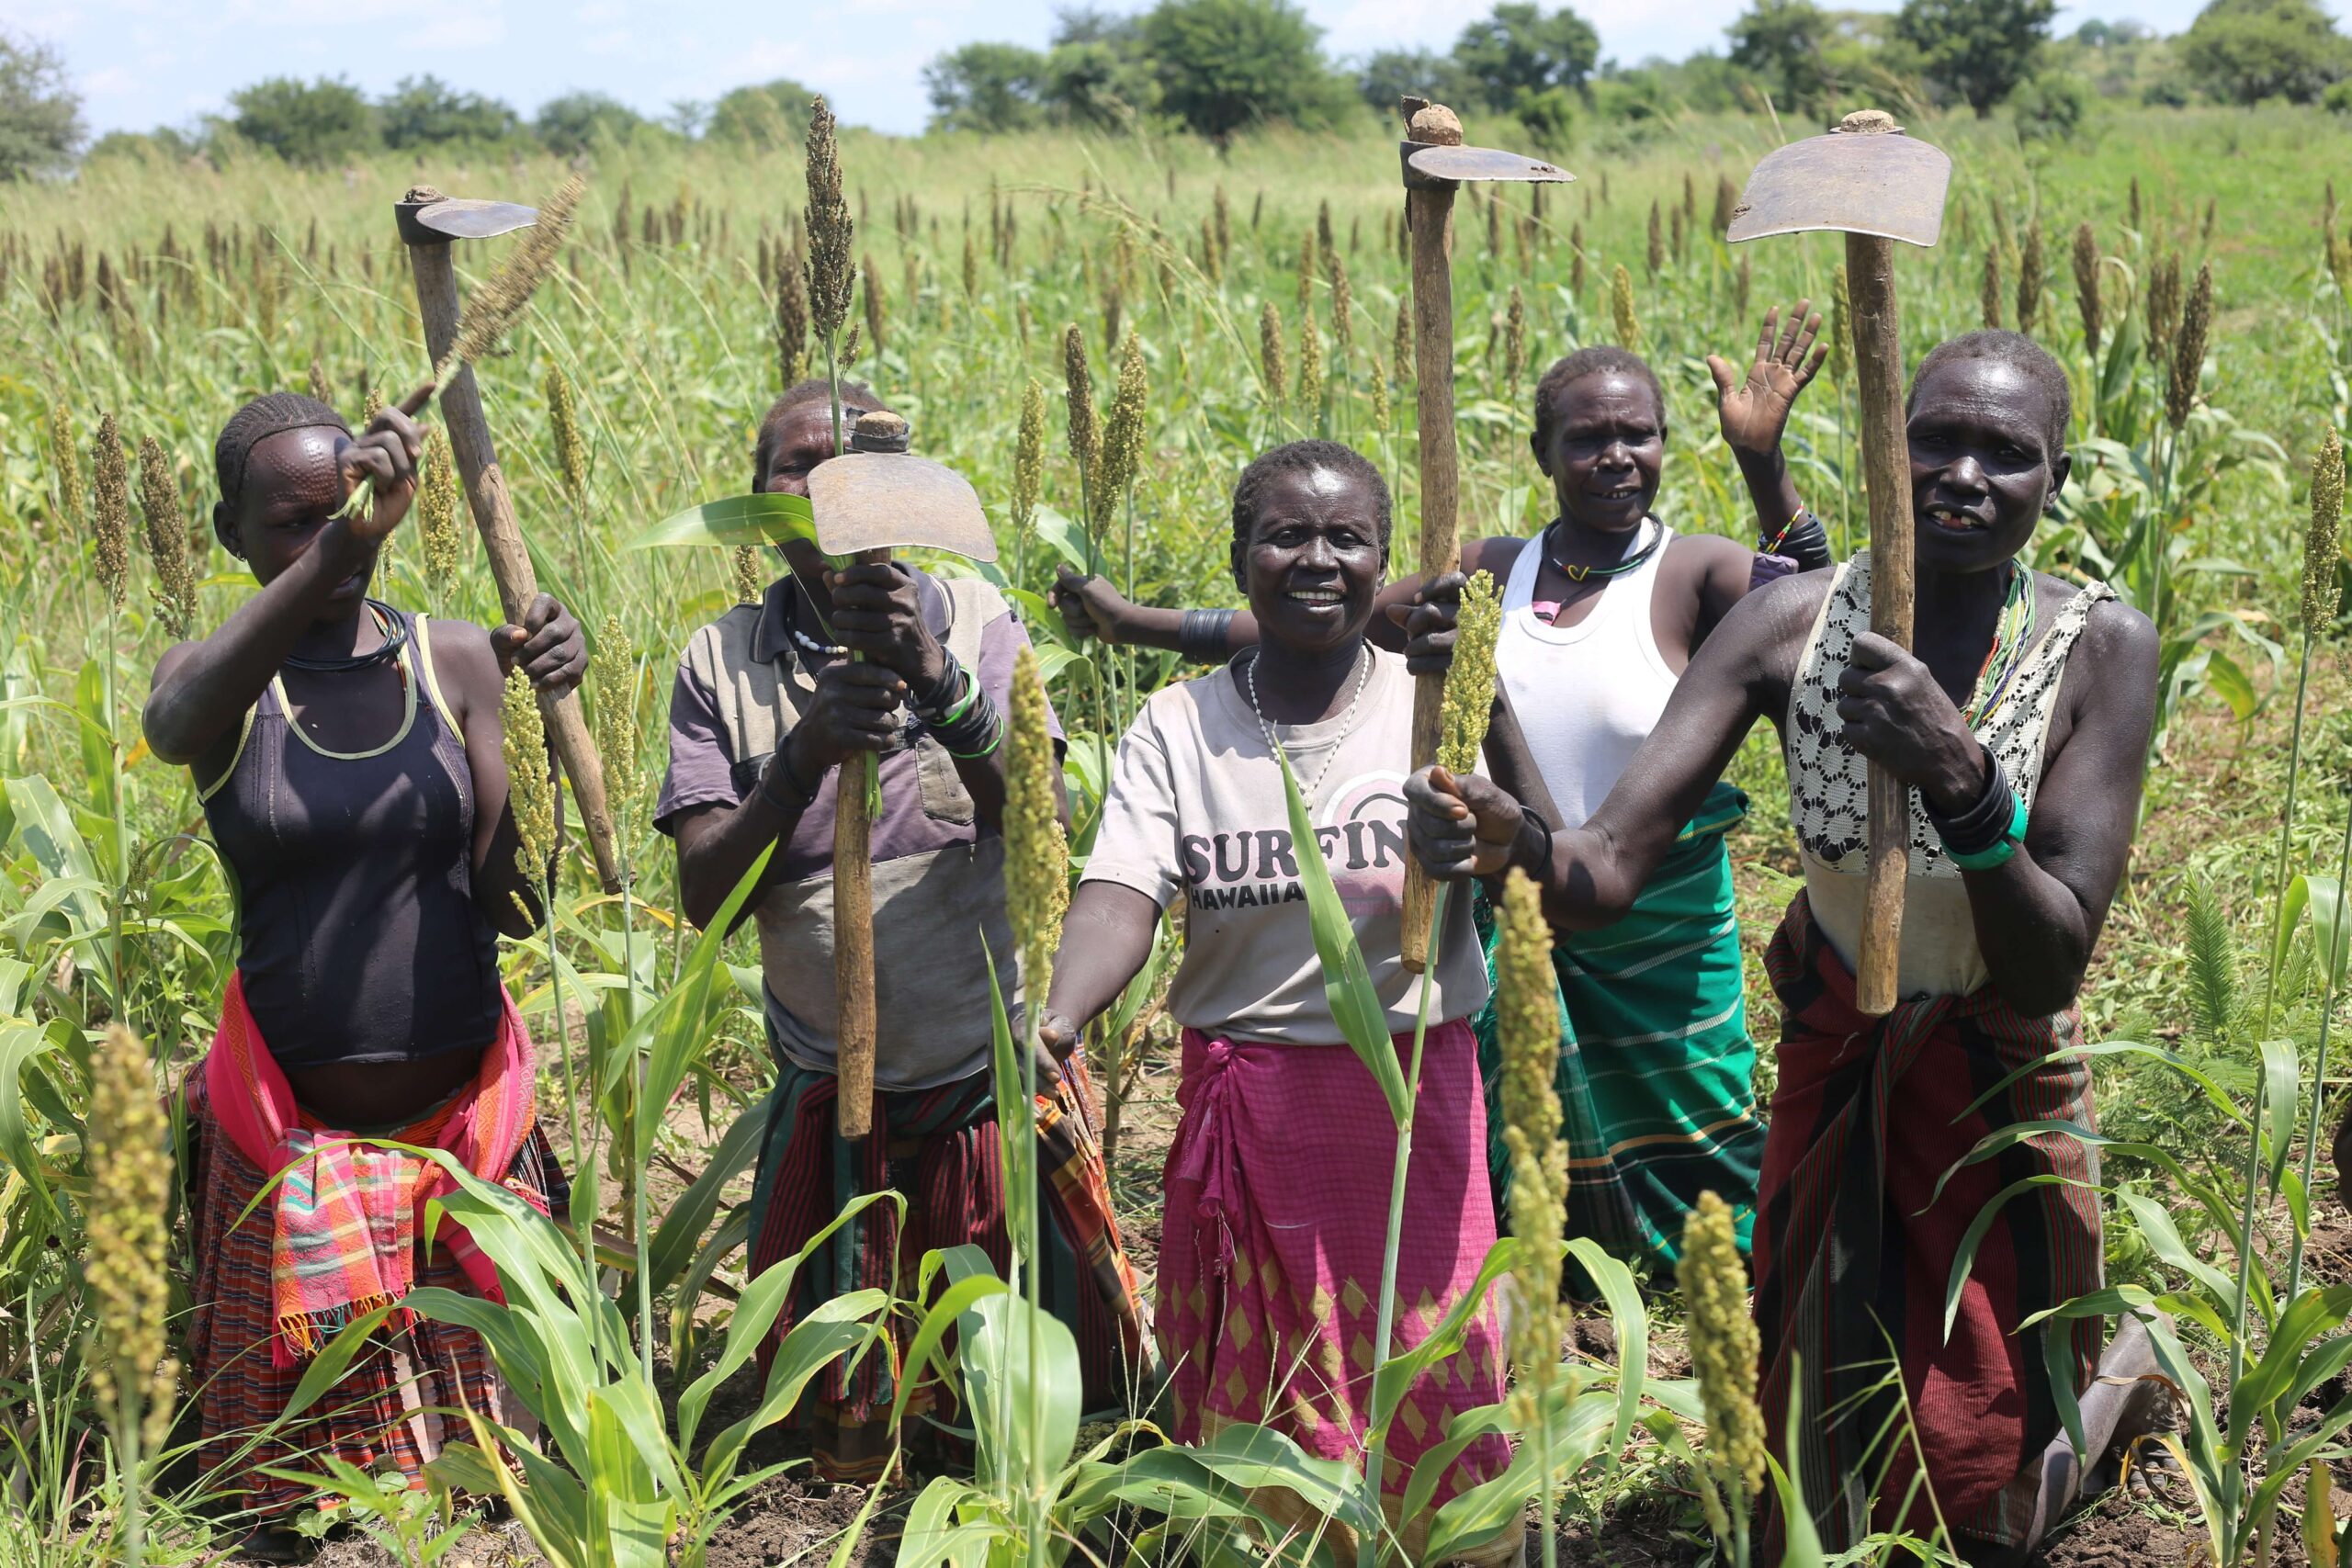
x,y
160,295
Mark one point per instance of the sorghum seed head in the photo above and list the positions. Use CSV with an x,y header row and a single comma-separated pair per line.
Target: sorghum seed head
x,y
564,423
1989,303
750,574
1528,1024
1085,435
1036,857
877,305
131,1175
497,304
1270,352
612,675
1029,455
65,457
1515,341
2322,580
1724,1344
1841,327
1400,342
159,499
1621,309
437,507
1310,364
1470,680
1123,437
2087,298
1655,253
829,268
1343,307
110,514
2030,279
530,789
321,390
2188,349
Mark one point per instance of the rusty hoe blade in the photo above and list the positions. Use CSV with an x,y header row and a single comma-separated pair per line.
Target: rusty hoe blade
x,y
1426,165
868,501
462,218
1865,177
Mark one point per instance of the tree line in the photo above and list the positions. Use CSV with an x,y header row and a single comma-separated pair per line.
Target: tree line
x,y
1219,67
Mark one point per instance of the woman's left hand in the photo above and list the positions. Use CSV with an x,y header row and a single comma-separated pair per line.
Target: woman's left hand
x,y
876,613
548,646
1429,623
1897,716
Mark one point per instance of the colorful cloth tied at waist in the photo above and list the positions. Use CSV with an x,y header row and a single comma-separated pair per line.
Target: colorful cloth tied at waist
x,y
939,1148
1656,1075
1855,1246
1271,1257
347,1215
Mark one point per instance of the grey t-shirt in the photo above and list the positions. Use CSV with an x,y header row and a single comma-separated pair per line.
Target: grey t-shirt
x,y
1197,810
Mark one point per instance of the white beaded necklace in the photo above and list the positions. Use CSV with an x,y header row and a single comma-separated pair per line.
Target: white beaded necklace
x,y
1347,719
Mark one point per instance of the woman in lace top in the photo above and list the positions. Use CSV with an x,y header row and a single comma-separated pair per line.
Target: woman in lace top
x,y
2025,767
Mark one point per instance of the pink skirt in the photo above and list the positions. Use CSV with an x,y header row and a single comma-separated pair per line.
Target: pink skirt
x,y
1270,1261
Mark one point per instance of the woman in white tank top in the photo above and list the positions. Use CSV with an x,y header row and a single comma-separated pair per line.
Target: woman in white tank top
x,y
2024,773
1603,609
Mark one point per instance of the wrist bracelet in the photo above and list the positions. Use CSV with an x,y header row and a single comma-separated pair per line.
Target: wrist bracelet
x,y
781,762
2003,849
1204,635
928,706
1990,831
1531,858
977,728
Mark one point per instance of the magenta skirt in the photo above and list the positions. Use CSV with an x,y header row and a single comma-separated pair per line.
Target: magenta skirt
x,y
1270,1257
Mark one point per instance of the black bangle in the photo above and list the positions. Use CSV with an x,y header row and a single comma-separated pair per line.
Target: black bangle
x,y
1530,856
1806,542
934,706
1986,819
781,762
1204,635
974,731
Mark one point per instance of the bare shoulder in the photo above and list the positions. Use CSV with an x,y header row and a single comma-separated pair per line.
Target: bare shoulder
x,y
1706,552
465,665
1770,624
1495,555
2116,657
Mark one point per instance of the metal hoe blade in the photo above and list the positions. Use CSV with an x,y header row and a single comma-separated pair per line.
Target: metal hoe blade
x,y
870,500
462,217
1854,182
1427,165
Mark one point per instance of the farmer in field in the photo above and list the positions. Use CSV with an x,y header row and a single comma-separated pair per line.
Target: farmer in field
x,y
1272,1247
766,705
2022,723
1602,611
349,758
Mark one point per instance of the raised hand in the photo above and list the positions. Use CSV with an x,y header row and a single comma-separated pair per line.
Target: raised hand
x,y
877,614
1429,623
1755,410
548,646
384,455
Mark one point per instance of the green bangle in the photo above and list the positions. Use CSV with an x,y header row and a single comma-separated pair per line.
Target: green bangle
x,y
996,739
2004,849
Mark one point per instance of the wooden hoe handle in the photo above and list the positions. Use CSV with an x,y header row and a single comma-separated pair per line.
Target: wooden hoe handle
x,y
1878,367
853,1029
510,562
1428,212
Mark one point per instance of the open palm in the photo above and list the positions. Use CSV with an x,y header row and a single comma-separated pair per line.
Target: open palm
x,y
1755,411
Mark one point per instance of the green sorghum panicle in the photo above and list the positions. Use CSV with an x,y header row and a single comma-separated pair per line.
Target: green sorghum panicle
x,y
971,267
2188,349
1655,253
2087,298
1029,457
65,457
1085,435
563,424
827,267
159,499
1270,352
131,1178
877,305
749,573
1383,416
1990,301
1400,346
2030,279
1621,309
1343,307
319,390
110,514
1514,341
1310,364
1528,1026
530,786
437,509
791,319
1122,434
370,405
2323,579
1841,327
1470,679
612,675
1306,272
1723,1345
1036,857
493,307
1742,282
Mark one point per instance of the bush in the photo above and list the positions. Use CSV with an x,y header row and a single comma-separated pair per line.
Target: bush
x,y
1978,48
2051,105
772,115
985,86
2338,97
424,111
1226,64
576,122
305,123
2246,51
40,116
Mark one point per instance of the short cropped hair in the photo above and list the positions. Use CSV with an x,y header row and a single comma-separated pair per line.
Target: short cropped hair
x,y
857,397
2023,354
1598,359
1304,457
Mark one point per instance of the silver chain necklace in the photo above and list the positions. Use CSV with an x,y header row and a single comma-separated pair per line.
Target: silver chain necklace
x,y
1347,720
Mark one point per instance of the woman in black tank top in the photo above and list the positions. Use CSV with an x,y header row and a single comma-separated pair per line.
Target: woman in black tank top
x,y
349,759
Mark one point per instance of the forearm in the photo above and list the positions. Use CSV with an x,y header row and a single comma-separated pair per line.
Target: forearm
x,y
218,680
2034,933
725,843
1589,880
1106,937
1770,488
1510,762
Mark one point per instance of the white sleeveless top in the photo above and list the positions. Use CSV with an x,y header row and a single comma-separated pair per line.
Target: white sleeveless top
x,y
1829,795
1586,695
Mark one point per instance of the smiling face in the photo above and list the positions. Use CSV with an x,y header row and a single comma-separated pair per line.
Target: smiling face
x,y
1313,562
1982,468
1604,453
293,485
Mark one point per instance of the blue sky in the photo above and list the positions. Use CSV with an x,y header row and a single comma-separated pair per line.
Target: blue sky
x,y
144,63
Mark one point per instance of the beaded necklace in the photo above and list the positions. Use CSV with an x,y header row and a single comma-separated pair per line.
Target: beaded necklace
x,y
2012,635
1582,573
389,624
1347,720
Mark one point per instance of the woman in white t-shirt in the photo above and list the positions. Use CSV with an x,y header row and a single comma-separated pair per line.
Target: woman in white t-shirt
x,y
1271,1251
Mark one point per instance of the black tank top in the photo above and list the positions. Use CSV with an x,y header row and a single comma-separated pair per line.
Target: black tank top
x,y
358,937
